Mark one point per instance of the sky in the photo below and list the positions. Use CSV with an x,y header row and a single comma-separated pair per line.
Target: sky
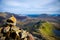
x,y
30,6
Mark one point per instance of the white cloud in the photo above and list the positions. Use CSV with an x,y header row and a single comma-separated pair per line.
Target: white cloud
x,y
29,5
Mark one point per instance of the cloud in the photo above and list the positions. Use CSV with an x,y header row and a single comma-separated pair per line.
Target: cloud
x,y
25,6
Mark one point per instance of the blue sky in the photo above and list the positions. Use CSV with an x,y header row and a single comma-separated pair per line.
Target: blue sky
x,y
30,6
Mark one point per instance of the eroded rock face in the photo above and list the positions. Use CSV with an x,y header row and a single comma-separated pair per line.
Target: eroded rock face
x,y
12,21
6,29
11,30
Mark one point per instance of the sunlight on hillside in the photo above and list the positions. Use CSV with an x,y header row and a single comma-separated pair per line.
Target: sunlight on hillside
x,y
46,30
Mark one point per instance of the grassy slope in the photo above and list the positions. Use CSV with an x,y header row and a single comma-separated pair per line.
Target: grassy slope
x,y
46,30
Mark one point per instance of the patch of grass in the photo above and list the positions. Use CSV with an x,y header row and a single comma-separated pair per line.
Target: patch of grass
x,y
46,30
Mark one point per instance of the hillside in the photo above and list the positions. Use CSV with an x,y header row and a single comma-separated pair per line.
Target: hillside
x,y
42,27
